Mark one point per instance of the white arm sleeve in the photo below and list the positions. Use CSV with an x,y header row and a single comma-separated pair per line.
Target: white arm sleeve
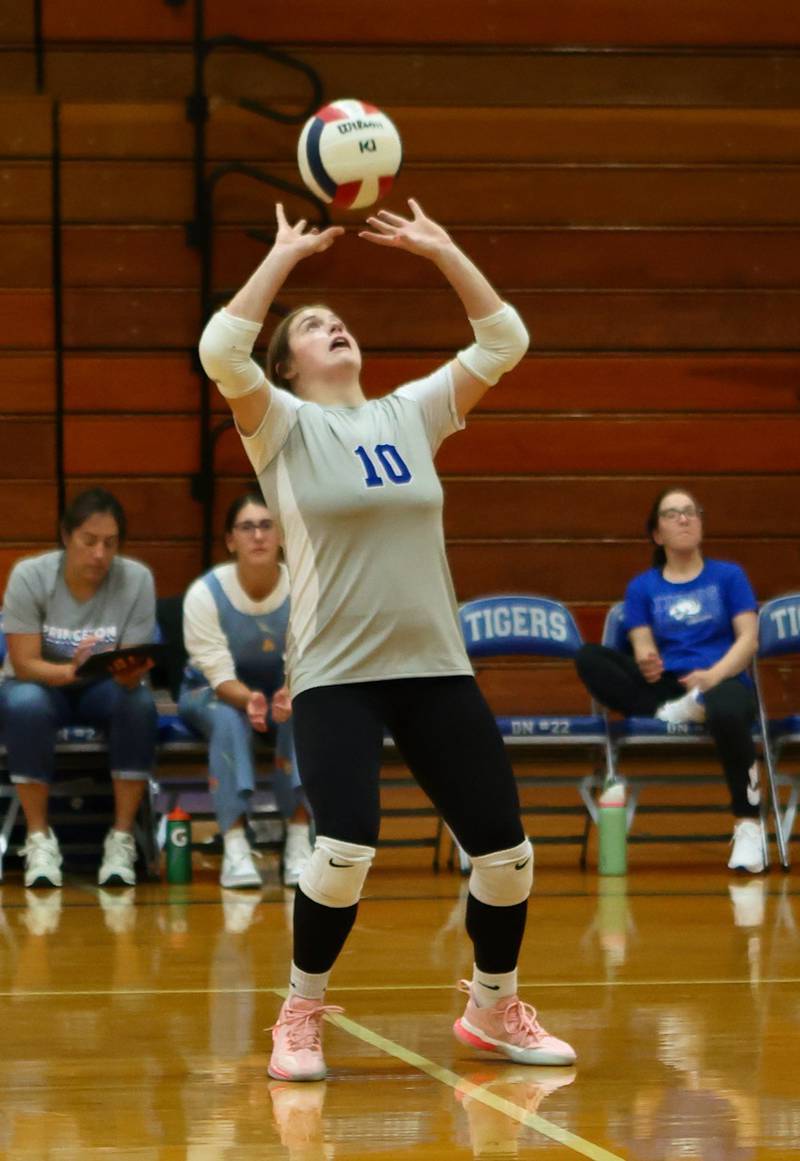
x,y
226,350
205,641
501,339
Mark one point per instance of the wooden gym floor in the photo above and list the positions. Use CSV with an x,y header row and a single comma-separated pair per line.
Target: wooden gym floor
x,y
134,1022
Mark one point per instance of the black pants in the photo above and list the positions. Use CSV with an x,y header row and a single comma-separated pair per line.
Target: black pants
x,y
615,680
448,737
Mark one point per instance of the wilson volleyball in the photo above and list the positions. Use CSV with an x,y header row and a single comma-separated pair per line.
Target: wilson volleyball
x,y
349,153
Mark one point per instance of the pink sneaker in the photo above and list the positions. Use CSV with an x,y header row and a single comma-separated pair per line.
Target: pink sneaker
x,y
297,1040
510,1028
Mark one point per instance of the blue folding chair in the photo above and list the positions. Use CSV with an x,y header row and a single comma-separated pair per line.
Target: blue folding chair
x,y
523,625
648,735
779,636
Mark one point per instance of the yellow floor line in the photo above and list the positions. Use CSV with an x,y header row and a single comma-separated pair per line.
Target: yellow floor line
x,y
24,993
476,1092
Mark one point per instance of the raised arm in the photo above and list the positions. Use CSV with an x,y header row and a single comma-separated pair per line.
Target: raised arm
x,y
227,342
501,339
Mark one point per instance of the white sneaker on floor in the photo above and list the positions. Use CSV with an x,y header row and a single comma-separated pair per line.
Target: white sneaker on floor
x,y
296,852
688,708
119,856
238,868
42,860
749,847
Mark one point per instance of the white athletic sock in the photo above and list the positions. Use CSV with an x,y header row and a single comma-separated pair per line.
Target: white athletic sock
x,y
307,985
236,832
487,989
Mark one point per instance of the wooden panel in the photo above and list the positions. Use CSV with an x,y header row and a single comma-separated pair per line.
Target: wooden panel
x,y
120,73
141,383
26,319
28,510
437,134
144,447
161,192
25,192
25,127
581,571
619,383
158,256
27,449
175,565
561,321
156,383
614,507
17,72
158,507
428,76
16,21
27,384
625,22
664,445
139,319
25,256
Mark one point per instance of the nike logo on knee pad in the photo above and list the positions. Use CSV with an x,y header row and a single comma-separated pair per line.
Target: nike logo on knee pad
x,y
524,863
339,864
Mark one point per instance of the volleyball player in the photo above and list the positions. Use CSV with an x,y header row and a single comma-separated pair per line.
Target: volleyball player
x,y
374,641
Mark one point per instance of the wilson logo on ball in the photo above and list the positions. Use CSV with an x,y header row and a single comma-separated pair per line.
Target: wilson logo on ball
x,y
349,153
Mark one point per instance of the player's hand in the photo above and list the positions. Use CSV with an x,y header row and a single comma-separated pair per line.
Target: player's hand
x,y
418,234
299,241
702,679
257,710
281,705
650,666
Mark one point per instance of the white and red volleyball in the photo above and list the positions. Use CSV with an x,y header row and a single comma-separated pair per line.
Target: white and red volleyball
x,y
349,153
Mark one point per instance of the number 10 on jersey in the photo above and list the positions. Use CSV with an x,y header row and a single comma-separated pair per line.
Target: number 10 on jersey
x,y
389,464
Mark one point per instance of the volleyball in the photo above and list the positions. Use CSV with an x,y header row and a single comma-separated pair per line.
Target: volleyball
x,y
349,153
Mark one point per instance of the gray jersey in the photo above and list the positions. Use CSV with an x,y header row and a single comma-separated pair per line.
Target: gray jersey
x,y
37,600
360,505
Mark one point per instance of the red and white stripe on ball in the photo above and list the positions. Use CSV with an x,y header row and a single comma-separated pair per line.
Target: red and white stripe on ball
x,y
349,153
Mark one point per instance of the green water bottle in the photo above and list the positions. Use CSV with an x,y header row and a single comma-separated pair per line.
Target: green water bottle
x,y
179,847
612,827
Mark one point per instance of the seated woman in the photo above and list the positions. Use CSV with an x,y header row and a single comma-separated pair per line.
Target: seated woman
x,y
60,607
234,628
693,627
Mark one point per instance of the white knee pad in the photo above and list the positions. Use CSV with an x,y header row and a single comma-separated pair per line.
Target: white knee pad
x,y
503,878
334,875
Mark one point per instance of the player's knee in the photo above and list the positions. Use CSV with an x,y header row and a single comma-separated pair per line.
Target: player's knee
x,y
334,875
503,878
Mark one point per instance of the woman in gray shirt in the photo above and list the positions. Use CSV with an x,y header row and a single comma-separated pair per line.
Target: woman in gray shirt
x,y
374,643
59,607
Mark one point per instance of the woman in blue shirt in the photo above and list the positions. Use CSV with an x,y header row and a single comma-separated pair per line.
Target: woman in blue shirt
x,y
693,628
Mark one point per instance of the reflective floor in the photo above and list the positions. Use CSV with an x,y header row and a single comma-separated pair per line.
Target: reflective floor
x,y
134,1023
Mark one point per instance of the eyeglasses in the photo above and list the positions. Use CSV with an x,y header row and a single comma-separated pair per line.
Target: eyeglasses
x,y
250,527
691,512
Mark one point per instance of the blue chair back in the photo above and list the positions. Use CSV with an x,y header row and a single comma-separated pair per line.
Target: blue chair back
x,y
519,624
779,626
615,635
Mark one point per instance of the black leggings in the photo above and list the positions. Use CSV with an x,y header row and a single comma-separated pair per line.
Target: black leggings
x,y
615,680
448,737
